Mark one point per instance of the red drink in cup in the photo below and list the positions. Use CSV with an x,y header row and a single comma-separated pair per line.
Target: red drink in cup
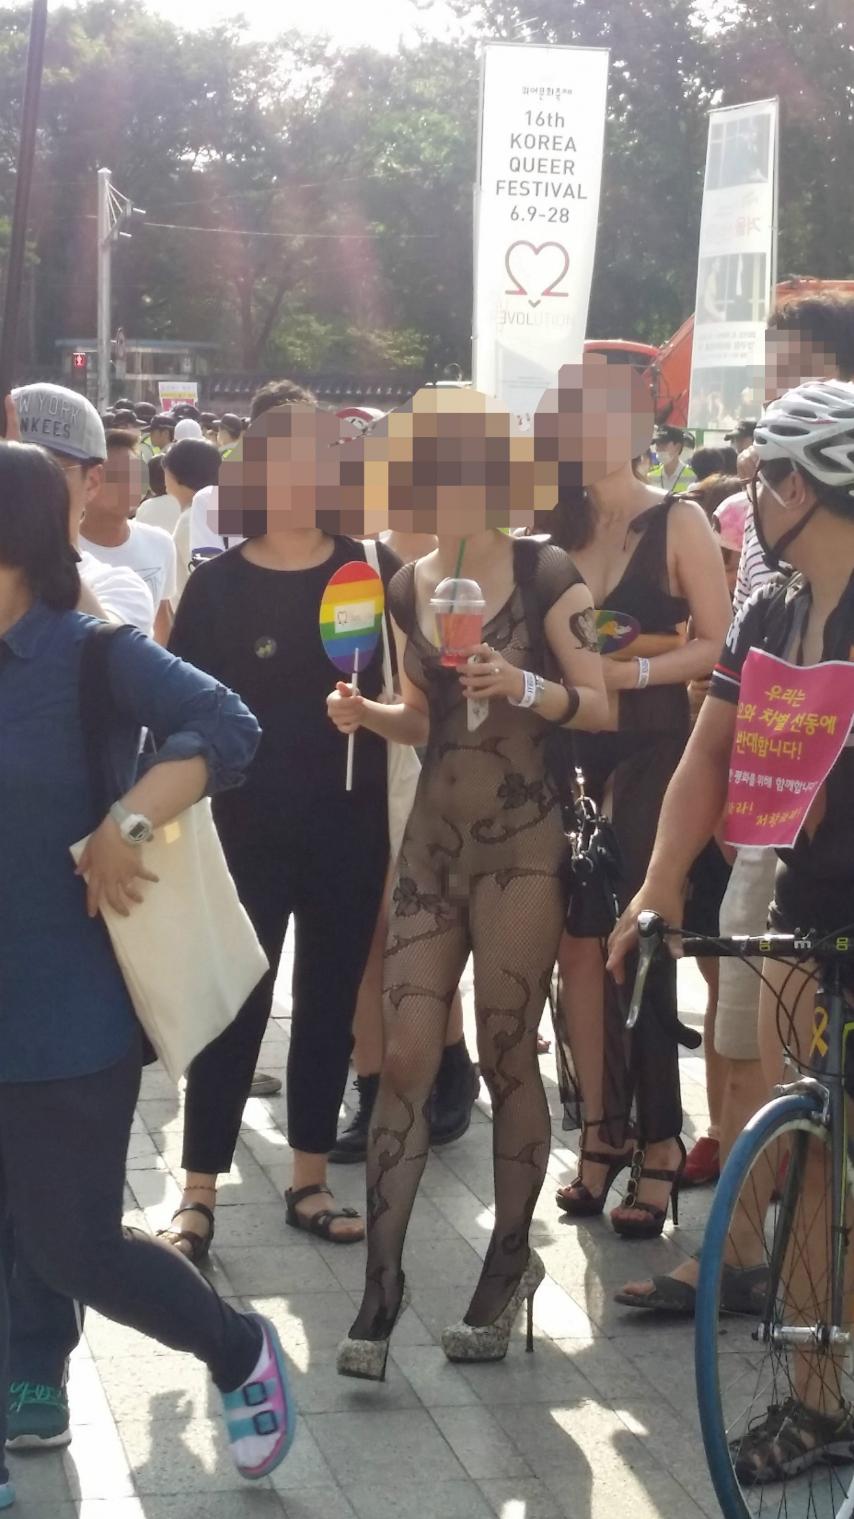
x,y
458,608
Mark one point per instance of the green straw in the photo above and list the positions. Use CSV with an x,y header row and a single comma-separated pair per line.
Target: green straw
x,y
460,558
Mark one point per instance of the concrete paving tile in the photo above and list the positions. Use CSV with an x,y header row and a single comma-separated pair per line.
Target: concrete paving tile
x,y
521,1498
437,1307
152,1395
641,1492
674,1444
581,1436
40,1477
259,1270
438,1263
481,1444
548,1376
171,1451
110,1508
397,1500
399,1447
318,1389
316,1503
87,1402
248,1503
437,1383
96,1464
305,1466
317,1318
254,1224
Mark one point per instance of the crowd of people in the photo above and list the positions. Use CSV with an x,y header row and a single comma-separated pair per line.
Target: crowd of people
x,y
207,545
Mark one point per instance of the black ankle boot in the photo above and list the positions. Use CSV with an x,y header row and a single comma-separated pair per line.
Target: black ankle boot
x,y
352,1143
454,1095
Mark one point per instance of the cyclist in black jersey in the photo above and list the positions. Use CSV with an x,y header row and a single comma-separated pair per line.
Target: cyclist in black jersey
x,y
803,495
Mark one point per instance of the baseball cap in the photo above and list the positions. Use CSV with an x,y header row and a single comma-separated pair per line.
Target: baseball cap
x,y
61,420
163,419
678,435
744,429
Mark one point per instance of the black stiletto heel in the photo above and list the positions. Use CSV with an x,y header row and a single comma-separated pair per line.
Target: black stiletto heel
x,y
651,1220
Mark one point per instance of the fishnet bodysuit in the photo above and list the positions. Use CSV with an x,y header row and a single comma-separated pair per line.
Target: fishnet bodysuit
x,y
478,873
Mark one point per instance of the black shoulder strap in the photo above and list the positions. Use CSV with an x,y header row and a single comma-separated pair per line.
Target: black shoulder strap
x,y
97,712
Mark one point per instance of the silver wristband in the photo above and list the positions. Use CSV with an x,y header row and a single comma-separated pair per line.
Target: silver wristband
x,y
643,675
529,695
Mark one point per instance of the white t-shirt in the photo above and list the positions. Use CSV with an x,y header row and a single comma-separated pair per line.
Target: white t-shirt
x,y
160,511
203,522
148,550
121,592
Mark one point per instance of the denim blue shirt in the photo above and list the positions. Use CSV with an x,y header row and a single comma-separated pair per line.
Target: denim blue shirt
x,y
64,1009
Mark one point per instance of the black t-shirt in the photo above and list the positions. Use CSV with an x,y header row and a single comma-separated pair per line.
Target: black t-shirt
x,y
774,619
258,631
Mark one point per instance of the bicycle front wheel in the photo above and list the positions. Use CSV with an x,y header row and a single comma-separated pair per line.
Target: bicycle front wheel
x,y
774,1384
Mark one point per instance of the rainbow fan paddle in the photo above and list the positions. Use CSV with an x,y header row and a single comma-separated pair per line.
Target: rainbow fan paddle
x,y
351,619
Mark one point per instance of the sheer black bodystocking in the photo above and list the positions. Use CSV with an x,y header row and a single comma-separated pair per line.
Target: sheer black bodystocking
x,y
478,874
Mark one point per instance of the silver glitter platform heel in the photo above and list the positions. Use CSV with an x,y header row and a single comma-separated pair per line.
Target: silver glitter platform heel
x,y
367,1359
489,1342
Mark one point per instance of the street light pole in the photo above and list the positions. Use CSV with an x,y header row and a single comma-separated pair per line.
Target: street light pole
x,y
105,254
115,213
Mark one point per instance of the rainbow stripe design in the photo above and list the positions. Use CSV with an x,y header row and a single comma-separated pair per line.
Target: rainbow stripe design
x,y
615,630
351,613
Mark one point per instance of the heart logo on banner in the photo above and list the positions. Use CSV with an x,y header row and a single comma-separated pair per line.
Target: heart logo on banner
x,y
536,269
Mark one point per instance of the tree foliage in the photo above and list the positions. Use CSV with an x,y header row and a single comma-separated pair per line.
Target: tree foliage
x,y
333,188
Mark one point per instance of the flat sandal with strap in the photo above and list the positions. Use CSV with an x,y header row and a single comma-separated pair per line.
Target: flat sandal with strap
x,y
320,1223
199,1244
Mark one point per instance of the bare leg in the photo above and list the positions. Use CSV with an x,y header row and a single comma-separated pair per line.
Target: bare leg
x,y
716,1065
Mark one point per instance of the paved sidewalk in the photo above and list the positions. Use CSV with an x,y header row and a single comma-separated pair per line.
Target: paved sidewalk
x,y
601,1420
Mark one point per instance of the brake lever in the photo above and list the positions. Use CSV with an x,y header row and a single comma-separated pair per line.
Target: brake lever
x,y
651,930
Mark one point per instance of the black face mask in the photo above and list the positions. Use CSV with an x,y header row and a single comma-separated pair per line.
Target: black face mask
x,y
772,553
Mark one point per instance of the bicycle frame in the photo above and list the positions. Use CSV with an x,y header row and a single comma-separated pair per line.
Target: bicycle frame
x,y
832,1027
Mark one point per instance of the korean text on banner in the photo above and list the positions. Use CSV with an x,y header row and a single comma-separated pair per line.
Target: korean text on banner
x,y
793,723
736,270
536,214
177,393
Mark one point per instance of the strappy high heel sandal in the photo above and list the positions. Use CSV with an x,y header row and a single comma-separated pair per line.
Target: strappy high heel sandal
x,y
367,1359
577,1199
489,1342
649,1220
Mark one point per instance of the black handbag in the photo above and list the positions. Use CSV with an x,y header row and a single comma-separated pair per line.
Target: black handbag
x,y
594,869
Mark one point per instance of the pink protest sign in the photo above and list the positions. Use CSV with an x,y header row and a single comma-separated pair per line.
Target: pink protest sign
x,y
792,726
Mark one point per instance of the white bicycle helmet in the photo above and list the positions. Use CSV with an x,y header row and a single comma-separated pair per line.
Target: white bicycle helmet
x,y
812,426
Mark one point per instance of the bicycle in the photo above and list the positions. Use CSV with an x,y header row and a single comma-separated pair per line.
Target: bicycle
x,y
783,1209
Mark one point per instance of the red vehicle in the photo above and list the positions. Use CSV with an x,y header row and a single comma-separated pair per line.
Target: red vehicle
x,y
669,367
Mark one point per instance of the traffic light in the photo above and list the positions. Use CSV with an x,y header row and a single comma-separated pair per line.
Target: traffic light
x,y
79,363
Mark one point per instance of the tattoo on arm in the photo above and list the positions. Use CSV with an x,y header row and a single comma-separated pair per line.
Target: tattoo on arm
x,y
583,628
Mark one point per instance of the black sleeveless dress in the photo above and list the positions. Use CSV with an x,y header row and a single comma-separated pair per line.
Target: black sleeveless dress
x,y
633,766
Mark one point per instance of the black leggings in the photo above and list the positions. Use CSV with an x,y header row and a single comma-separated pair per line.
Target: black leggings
x,y
63,1153
327,866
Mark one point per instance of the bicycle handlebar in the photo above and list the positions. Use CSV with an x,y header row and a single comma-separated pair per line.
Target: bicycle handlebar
x,y
810,945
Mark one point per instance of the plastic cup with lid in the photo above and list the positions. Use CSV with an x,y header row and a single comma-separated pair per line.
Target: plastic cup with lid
x,y
458,607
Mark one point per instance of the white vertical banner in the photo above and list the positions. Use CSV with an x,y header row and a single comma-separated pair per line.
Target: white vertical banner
x,y
736,270
536,214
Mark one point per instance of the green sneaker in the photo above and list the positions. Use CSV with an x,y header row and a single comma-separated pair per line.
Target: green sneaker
x,y
38,1417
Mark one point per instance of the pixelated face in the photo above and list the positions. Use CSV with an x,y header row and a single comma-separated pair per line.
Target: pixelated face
x,y
123,484
597,421
449,462
291,471
791,358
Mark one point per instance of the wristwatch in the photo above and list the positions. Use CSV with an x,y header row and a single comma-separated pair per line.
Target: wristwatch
x,y
133,826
